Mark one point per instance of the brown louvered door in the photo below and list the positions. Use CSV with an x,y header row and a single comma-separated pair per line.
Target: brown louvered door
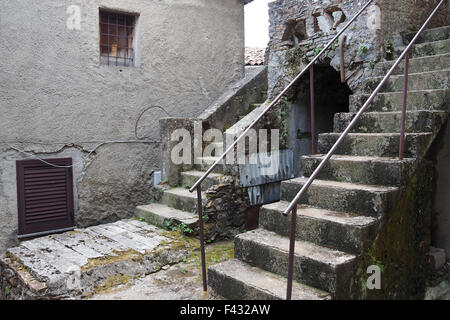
x,y
45,196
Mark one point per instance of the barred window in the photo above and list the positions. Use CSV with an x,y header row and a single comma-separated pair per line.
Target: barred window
x,y
116,38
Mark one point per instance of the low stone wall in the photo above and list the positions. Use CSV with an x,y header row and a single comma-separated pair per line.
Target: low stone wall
x,y
225,210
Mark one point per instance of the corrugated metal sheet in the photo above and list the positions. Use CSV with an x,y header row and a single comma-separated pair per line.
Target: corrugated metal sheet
x,y
279,168
263,176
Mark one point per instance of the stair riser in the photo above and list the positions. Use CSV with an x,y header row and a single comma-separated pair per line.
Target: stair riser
x,y
358,201
157,220
334,235
388,102
430,48
436,34
233,289
364,172
180,202
188,180
375,145
310,272
388,123
424,64
416,81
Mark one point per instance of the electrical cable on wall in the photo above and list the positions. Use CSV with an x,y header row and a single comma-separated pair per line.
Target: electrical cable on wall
x,y
138,140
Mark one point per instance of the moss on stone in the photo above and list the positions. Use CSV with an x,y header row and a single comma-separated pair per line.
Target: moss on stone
x,y
111,282
402,245
118,257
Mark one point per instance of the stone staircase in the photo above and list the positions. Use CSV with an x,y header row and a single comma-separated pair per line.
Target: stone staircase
x,y
340,216
177,206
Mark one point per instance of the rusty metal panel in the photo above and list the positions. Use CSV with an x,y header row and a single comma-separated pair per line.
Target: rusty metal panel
x,y
261,172
44,195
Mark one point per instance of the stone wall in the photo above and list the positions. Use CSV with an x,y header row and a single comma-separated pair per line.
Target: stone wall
x,y
402,244
57,100
300,29
225,209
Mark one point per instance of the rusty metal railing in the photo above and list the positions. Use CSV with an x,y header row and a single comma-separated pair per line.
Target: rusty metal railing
x,y
310,67
293,205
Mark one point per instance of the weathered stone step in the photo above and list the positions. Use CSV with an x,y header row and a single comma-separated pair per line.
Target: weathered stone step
x,y
73,264
393,101
315,266
338,230
162,216
416,65
416,81
346,197
207,162
189,178
236,280
431,48
364,170
182,199
376,144
380,122
429,35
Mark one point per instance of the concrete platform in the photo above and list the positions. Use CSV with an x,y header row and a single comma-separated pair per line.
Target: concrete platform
x,y
79,263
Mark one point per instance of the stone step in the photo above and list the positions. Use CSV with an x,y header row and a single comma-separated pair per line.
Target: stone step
x,y
429,35
163,216
341,231
189,178
416,81
76,263
207,162
431,48
386,122
376,144
182,199
346,197
364,170
416,65
316,266
393,101
236,280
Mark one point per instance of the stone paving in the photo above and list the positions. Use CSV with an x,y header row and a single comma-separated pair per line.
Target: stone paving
x,y
79,263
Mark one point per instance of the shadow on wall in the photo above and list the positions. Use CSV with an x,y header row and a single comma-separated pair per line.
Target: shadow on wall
x,y
440,221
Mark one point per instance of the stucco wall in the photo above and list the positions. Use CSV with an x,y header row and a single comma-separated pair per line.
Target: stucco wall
x,y
57,100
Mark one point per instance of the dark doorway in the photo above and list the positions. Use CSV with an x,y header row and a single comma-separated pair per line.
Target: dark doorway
x,y
331,96
44,196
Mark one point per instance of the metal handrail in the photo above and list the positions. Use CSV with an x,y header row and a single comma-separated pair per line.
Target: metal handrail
x,y
293,205
197,185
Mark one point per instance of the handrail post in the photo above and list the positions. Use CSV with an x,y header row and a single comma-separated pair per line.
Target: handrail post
x,y
405,101
341,53
313,111
291,252
202,242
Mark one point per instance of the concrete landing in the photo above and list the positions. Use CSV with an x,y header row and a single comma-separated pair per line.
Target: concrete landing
x,y
79,263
